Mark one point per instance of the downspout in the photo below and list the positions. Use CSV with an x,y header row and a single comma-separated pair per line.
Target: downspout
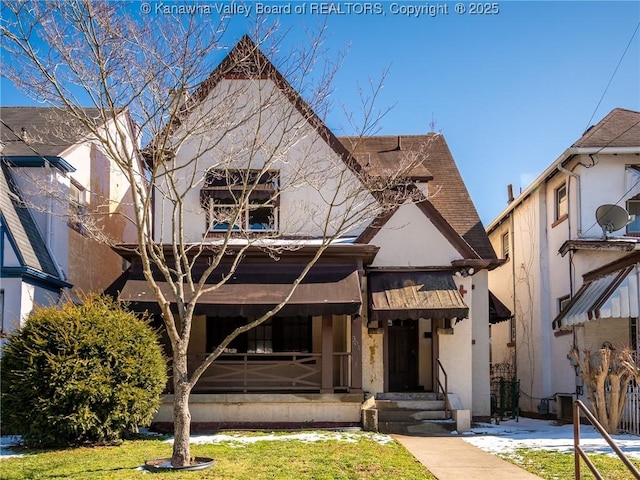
x,y
578,221
513,334
50,236
578,200
579,234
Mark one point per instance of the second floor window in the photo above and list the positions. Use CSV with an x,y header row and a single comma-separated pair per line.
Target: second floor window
x,y
561,202
505,245
633,207
242,200
77,207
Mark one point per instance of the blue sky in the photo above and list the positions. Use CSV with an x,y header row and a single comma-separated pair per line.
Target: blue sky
x,y
510,91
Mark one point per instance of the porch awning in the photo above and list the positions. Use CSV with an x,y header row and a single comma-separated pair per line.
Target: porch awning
x,y
611,296
254,289
414,295
498,312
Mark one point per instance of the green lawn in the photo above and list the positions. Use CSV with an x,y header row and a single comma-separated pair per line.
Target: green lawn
x,y
362,458
560,466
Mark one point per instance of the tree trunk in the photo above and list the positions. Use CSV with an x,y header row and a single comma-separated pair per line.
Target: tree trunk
x,y
181,455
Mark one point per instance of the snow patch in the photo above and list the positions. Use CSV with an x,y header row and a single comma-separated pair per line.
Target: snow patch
x,y
512,435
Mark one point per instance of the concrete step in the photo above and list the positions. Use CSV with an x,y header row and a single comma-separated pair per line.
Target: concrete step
x,y
407,415
410,404
442,427
408,396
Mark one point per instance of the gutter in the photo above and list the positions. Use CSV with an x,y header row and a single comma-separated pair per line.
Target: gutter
x,y
553,168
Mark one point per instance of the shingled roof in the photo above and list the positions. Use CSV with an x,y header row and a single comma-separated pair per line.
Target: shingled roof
x,y
45,131
620,128
432,161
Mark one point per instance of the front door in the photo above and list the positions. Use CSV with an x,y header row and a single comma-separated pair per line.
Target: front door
x,y
402,344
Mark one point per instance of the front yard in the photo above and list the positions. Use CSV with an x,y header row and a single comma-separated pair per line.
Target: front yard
x,y
255,456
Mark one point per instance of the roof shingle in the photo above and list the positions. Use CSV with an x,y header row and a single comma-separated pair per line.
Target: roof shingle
x,y
430,157
620,128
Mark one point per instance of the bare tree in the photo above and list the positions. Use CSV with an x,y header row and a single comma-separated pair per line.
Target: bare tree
x,y
225,146
607,368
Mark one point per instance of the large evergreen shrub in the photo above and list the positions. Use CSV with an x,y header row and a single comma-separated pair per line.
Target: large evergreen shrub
x,y
76,374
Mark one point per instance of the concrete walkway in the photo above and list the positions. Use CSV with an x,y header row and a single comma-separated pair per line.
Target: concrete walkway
x,y
451,458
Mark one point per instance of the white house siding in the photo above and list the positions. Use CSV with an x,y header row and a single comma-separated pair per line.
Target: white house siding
x,y
479,316
409,239
310,170
603,184
501,285
20,298
372,360
543,276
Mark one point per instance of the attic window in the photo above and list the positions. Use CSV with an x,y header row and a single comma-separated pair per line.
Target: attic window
x,y
242,200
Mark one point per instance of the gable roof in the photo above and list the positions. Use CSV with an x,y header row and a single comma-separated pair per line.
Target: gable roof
x,y
620,128
24,232
40,131
618,132
246,61
449,205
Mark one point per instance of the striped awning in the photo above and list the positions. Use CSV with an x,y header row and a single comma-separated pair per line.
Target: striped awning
x,y
614,295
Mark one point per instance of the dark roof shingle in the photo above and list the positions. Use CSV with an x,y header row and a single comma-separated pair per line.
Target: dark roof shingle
x,y
429,156
620,128
46,131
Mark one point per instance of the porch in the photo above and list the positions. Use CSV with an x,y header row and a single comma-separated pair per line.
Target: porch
x,y
212,412
275,372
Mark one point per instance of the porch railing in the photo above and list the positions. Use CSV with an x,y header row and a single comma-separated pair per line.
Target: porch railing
x,y
579,453
262,372
443,386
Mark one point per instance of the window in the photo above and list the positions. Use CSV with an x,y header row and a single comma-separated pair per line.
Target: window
x,y
260,338
505,245
561,202
563,302
278,334
77,207
244,200
633,207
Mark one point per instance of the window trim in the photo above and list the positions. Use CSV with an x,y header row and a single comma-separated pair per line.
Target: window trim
x,y
561,205
633,233
244,196
506,244
78,208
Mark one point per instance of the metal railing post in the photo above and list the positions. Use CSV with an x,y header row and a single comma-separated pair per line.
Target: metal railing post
x,y
578,408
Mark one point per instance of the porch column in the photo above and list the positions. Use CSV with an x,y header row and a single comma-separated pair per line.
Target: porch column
x,y
356,353
327,354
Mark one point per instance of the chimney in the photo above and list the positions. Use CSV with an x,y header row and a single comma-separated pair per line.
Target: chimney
x,y
509,193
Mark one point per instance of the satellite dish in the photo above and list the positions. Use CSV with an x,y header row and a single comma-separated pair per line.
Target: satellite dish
x,y
612,218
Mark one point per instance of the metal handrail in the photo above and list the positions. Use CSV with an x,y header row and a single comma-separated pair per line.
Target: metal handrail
x,y
578,407
444,389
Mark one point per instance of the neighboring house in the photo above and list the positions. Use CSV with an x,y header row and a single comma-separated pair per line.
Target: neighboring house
x,y
54,178
569,282
385,305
